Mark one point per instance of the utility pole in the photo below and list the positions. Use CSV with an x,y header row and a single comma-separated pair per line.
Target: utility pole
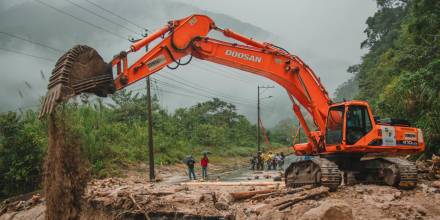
x,y
150,131
258,119
258,113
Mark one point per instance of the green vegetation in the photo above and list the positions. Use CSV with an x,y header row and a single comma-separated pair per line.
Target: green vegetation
x,y
284,133
115,137
400,74
21,153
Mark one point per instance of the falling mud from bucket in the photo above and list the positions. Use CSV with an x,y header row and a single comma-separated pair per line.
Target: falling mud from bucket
x,y
65,172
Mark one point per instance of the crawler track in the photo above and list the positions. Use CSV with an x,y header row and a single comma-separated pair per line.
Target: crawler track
x,y
318,172
407,173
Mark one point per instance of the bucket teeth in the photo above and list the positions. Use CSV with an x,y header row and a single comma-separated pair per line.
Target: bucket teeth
x,y
79,70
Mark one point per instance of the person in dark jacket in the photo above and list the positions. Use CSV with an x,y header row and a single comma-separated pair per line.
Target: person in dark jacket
x,y
254,162
190,162
260,162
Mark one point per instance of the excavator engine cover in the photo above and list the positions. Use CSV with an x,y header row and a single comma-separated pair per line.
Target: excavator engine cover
x,y
81,69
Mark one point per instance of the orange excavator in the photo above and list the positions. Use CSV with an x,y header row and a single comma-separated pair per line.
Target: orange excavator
x,y
350,145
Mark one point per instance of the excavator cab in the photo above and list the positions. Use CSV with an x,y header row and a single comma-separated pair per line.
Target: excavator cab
x,y
351,127
347,123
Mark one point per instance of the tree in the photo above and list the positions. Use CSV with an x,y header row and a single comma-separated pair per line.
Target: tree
x,y
399,75
20,157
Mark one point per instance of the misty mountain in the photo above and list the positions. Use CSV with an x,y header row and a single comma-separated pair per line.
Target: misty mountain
x,y
38,22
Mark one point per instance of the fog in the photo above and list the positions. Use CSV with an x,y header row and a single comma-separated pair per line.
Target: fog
x,y
325,34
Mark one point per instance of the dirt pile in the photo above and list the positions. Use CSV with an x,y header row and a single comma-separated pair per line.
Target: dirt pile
x,y
429,169
65,172
136,198
139,199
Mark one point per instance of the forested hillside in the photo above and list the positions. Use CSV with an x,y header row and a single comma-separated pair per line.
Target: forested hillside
x,y
400,74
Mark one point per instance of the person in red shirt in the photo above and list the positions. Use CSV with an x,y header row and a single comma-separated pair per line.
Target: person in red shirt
x,y
204,163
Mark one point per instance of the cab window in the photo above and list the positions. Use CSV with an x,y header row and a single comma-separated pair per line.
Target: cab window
x,y
335,124
358,123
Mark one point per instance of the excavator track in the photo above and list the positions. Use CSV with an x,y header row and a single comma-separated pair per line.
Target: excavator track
x,y
317,172
406,176
81,69
391,171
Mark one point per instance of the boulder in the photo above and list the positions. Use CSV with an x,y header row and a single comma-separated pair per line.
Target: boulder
x,y
36,212
221,206
436,184
330,210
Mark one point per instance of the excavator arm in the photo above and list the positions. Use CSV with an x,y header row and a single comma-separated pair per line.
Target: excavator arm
x,y
188,37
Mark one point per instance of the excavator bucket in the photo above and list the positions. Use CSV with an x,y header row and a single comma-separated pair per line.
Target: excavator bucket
x,y
79,70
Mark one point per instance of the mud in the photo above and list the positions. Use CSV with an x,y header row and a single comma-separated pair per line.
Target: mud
x,y
136,198
65,172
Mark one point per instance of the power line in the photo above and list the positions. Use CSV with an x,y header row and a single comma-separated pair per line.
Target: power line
x,y
110,12
174,92
30,41
100,16
80,19
156,88
240,76
185,89
192,96
202,94
206,88
230,70
27,54
231,78
182,88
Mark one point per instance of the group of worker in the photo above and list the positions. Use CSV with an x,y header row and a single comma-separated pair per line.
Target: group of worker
x,y
270,160
190,163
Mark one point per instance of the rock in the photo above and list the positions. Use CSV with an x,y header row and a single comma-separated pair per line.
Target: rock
x,y
360,191
436,184
225,198
257,209
277,178
385,198
420,209
330,210
272,215
36,212
221,206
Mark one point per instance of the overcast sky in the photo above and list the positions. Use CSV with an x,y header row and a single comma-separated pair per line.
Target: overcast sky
x,y
325,34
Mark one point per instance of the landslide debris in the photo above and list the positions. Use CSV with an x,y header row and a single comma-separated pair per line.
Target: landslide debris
x,y
65,172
